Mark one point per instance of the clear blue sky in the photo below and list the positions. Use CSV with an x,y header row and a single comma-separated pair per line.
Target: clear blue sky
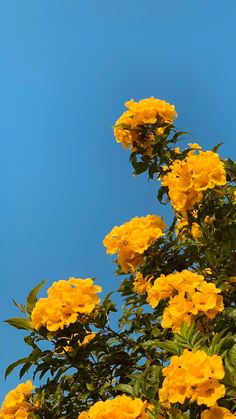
x,y
66,68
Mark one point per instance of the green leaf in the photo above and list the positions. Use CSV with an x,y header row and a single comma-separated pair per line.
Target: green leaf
x,y
179,134
15,364
20,306
163,191
32,297
25,369
125,388
140,168
150,343
217,146
232,355
19,323
170,346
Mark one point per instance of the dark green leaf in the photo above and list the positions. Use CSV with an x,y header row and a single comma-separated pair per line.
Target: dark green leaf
x,y
32,297
19,323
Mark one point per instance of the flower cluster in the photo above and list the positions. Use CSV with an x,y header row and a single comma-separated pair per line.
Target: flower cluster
x,y
194,376
189,295
217,412
121,407
65,302
129,128
188,178
131,239
16,403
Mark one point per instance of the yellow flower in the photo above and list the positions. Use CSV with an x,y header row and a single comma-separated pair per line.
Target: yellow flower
x,y
178,310
196,231
194,376
121,407
131,239
87,339
217,412
140,283
181,223
66,301
167,286
188,178
209,219
195,146
208,393
189,295
128,128
16,403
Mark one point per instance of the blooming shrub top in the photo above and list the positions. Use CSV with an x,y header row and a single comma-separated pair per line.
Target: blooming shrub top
x,y
195,376
128,128
121,407
176,361
16,404
131,239
65,302
188,178
189,295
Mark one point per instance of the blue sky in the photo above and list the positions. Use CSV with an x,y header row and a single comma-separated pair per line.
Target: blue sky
x,y
66,68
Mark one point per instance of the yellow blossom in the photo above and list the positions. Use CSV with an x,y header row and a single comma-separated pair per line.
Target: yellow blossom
x,y
194,376
195,146
209,219
131,239
128,128
16,403
141,283
196,231
121,407
189,178
189,296
181,223
217,412
66,301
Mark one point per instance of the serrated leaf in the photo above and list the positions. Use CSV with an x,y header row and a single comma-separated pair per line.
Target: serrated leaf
x,y
32,297
19,323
